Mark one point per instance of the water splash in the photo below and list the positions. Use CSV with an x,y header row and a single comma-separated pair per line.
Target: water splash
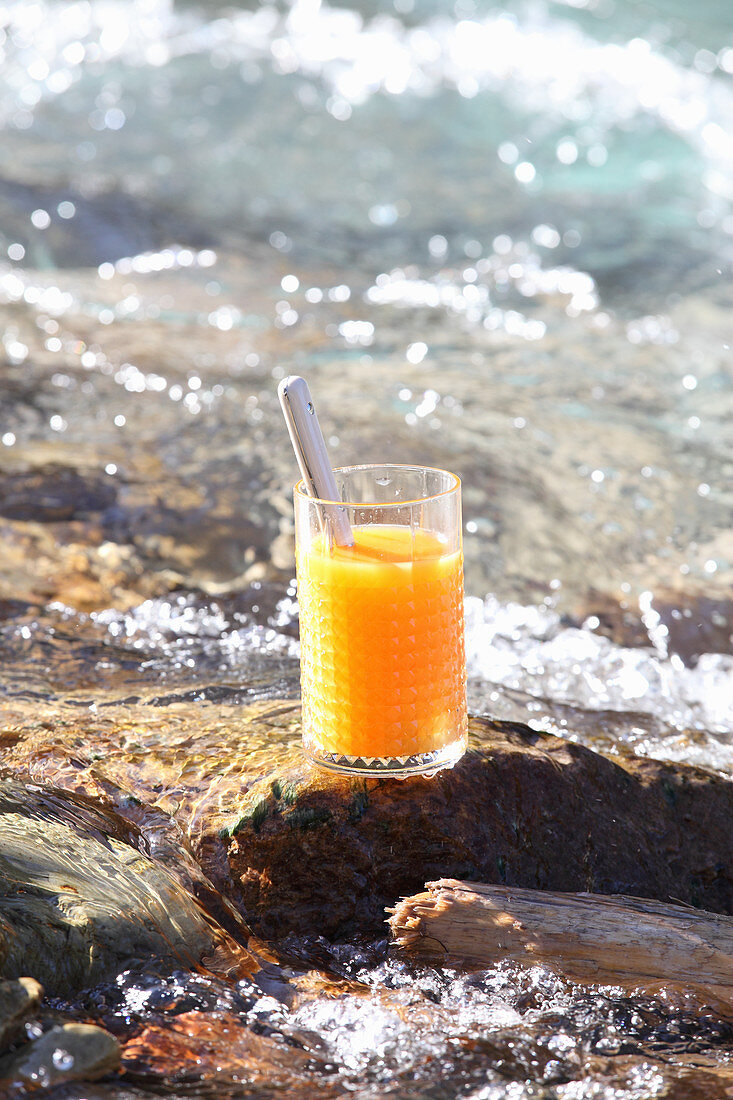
x,y
180,627
515,1028
529,649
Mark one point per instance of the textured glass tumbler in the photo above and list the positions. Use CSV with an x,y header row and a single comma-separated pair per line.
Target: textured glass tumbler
x,y
383,667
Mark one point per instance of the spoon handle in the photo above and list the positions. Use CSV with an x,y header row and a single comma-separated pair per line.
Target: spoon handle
x,y
310,451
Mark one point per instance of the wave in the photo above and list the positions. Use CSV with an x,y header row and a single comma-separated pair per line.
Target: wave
x,y
539,63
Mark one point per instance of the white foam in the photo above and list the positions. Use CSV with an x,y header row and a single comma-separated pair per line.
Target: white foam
x,y
527,648
175,625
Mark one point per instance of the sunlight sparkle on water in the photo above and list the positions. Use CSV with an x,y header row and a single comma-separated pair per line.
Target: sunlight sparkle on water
x,y
545,64
528,649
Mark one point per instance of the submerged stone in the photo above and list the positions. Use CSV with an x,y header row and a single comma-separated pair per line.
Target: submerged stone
x,y
220,1050
78,899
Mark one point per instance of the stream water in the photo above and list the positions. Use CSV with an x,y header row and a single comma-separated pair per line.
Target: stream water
x,y
496,238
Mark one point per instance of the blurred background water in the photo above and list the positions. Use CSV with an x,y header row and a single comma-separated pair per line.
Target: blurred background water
x,y
496,237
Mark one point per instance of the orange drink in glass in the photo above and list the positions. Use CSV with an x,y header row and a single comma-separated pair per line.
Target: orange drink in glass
x,y
381,622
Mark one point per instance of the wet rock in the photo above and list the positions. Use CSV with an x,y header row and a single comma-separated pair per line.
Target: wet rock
x,y
11,609
217,1049
18,1000
78,899
106,225
691,623
300,851
54,493
73,533
695,624
68,1052
618,620
73,564
171,771
313,853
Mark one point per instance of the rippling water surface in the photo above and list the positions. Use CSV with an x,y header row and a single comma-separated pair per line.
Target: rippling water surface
x,y
495,238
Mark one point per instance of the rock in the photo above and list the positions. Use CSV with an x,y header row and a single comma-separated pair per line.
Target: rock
x,y
18,1000
218,1050
300,851
692,623
85,574
696,624
78,899
176,773
317,854
619,618
53,493
68,1052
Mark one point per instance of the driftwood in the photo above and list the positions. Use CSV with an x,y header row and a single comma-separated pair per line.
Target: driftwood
x,y
614,940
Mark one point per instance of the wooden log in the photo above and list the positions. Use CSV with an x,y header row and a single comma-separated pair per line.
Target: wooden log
x,y
604,939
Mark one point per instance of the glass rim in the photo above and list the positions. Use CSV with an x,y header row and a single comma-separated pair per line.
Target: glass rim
x,y
300,491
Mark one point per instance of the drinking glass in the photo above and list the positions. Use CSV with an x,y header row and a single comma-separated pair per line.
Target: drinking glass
x,y
383,668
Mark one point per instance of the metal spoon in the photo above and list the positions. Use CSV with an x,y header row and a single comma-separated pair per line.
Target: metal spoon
x,y
312,456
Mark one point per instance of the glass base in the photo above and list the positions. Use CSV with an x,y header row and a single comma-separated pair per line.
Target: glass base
x,y
396,767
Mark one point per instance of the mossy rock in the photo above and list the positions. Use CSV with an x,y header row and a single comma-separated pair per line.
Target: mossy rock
x,y
313,853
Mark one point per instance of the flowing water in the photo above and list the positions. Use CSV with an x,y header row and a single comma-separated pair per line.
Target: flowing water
x,y
497,239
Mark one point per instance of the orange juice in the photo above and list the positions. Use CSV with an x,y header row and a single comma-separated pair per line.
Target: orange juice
x,y
381,626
